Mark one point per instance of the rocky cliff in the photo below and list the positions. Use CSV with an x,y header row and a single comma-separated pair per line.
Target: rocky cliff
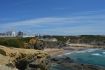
x,y
23,59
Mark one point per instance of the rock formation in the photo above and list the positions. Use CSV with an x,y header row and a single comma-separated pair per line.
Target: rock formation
x,y
24,59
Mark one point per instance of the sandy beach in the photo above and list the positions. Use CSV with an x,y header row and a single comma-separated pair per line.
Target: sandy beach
x,y
62,51
54,51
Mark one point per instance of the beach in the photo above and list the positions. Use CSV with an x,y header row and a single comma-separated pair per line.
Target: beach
x,y
54,51
63,51
76,58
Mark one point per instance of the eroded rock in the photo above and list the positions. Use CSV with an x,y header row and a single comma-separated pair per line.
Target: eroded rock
x,y
26,59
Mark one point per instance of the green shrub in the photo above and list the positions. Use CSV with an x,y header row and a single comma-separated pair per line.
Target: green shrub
x,y
11,42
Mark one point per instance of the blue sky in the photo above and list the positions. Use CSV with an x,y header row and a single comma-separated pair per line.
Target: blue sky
x,y
59,17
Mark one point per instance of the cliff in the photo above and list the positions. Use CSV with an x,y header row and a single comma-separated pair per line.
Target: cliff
x,y
23,59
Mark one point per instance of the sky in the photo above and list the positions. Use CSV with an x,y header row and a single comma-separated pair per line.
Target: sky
x,y
54,17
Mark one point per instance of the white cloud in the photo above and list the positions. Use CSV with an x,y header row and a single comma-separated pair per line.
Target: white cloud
x,y
58,20
73,24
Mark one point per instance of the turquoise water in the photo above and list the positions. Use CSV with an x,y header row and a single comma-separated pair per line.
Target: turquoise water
x,y
95,57
90,56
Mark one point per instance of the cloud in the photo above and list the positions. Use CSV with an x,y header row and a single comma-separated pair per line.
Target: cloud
x,y
82,24
59,20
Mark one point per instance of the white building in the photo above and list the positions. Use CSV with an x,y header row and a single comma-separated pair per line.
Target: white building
x,y
8,34
13,34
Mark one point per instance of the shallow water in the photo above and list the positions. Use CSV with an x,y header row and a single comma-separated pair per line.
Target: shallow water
x,y
90,56
96,57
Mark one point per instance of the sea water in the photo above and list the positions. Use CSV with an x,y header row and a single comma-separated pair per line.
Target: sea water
x,y
95,57
90,56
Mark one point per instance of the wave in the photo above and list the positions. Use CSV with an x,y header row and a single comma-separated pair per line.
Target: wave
x,y
97,54
91,51
103,52
82,51
87,50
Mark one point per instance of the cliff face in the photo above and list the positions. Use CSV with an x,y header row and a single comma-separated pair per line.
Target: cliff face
x,y
23,59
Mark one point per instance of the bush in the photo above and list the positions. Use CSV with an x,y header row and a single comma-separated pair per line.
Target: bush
x,y
11,42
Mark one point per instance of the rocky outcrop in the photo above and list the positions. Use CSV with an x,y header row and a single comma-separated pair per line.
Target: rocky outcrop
x,y
24,59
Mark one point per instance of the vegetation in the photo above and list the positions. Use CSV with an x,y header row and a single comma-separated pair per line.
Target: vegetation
x,y
13,42
88,39
19,42
22,43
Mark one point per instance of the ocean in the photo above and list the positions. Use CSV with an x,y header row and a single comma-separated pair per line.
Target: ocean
x,y
89,56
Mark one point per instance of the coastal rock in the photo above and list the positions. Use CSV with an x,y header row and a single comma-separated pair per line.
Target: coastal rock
x,y
25,59
62,60
4,67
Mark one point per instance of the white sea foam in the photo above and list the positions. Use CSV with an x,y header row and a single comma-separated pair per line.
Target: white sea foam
x,y
87,50
92,50
96,54
82,51
68,53
103,52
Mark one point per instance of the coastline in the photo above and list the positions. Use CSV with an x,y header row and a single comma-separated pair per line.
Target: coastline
x,y
67,50
68,62
62,59
54,51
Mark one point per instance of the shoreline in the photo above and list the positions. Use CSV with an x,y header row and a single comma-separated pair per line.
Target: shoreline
x,y
62,59
53,52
